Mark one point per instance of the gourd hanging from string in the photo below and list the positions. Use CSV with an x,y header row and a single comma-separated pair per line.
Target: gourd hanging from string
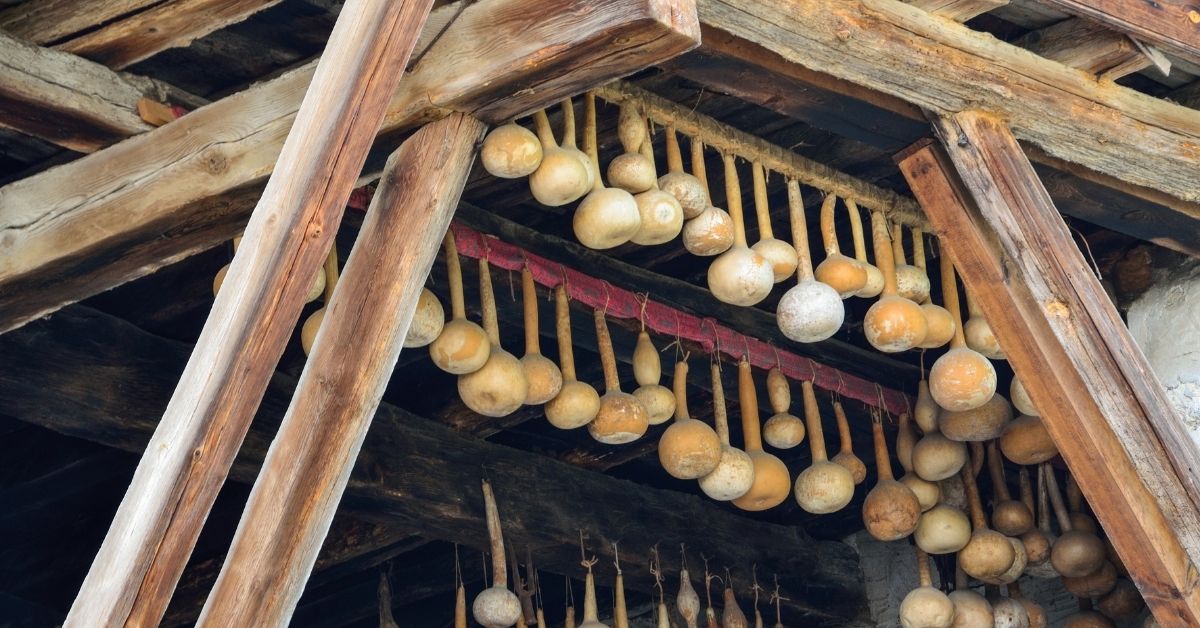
x,y
783,430
711,232
978,332
1009,516
577,403
620,612
739,276
1020,398
971,610
591,616
1088,618
893,323
911,282
658,400
825,486
511,151
686,188
936,457
569,613
631,171
1123,603
317,289
544,378
496,606
428,320
734,473
1026,441
688,449
732,615
498,387
779,254
977,425
926,410
1037,543
687,602
1036,614
810,311
622,418
940,323
844,274
662,217
1008,613
962,378
463,346
772,482
608,216
564,175
460,594
308,333
1077,552
943,529
989,554
891,510
926,606
928,493
846,456
874,284
664,618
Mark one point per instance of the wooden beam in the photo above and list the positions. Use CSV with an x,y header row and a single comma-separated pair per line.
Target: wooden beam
x,y
1188,95
64,99
1088,46
958,10
306,469
47,21
130,373
1108,415
1173,25
172,491
123,212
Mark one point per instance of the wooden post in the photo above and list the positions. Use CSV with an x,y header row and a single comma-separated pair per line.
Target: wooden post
x,y
177,480
1096,394
306,469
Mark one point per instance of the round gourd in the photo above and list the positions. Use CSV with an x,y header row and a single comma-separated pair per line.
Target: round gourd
x,y
428,320
893,323
936,457
944,529
1123,603
911,282
1009,516
926,606
739,276
846,275
498,387
962,379
711,232
658,400
686,188
779,254
608,216
810,311
825,486
979,424
1009,613
971,610
564,175
1020,398
463,346
978,333
1076,552
891,510
631,171
510,151
496,606
689,449
1026,441
622,418
772,481
308,332
542,375
734,473
1095,584
1036,614
989,554
661,214
578,402
783,430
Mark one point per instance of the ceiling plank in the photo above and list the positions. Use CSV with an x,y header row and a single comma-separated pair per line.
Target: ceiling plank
x,y
47,21
123,212
958,10
1173,25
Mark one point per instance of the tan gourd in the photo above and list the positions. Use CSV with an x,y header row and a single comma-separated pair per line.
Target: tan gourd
x,y
428,320
711,232
686,188
1124,602
499,387
936,457
810,311
662,216
979,334
891,510
1026,441
825,486
846,456
732,615
511,151
926,606
944,529
317,289
308,333
739,276
564,175
1094,584
911,282
658,400
495,606
578,402
926,410
608,216
977,424
689,449
1036,614
1044,569
620,611
1008,613
989,554
1009,516
1076,552
780,254
928,493
1014,571
772,482
622,418
937,318
591,617
874,284
463,346
971,610
569,614
1020,398
460,607
844,274
542,375
1036,542
783,430
631,171
893,323
687,601
1088,618
734,473
962,378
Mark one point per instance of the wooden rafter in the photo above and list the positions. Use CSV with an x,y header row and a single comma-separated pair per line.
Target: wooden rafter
x,y
958,10
1172,24
1130,453
47,21
1088,46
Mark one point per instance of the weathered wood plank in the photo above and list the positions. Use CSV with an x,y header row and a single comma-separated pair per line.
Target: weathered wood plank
x,y
64,99
309,462
160,518
47,21
1096,393
98,222
1174,25
1088,46
92,376
958,10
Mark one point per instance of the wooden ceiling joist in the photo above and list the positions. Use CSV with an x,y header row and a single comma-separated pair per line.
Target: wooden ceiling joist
x,y
128,210
958,10
1173,25
1097,396
45,22
1088,46
412,471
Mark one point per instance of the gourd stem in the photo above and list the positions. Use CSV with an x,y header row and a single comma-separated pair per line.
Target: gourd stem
x,y
972,305
733,196
843,428
331,272
856,231
568,112
898,244
460,607
679,384
804,267
950,300
923,575
720,412
458,309
996,469
960,577
607,360
883,246
978,520
590,143
1056,499
1043,500
529,296
674,157
562,321
761,210
1026,488
918,238
589,597
828,235
495,538
631,128
647,151
699,170
883,462
487,300
1074,496
748,400
541,124
812,416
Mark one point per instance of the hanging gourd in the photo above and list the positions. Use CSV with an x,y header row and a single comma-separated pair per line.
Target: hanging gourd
x,y
734,473
928,493
662,217
463,346
911,282
711,232
1077,552
511,151
564,175
732,617
926,606
622,418
989,554
874,284
779,254
1008,613
428,320
687,602
971,610
893,323
844,274
943,529
317,289
979,334
926,410
591,616
825,486
936,457
1088,618
938,320
783,430
1026,441
1094,584
772,482
962,379
810,311
846,456
1037,616
578,402
631,171
620,612
1123,603
689,449
891,510
686,188
499,387
544,378
608,216
658,400
977,425
495,606
308,333
1036,542
1020,398
740,276
1009,516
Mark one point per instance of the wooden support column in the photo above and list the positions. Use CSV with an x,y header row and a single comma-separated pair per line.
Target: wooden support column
x,y
306,469
156,526
1095,392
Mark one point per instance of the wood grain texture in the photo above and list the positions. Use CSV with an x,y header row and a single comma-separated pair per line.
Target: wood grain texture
x,y
155,528
90,375
171,24
958,10
48,21
1096,393
306,469
64,99
121,213
1086,45
1173,25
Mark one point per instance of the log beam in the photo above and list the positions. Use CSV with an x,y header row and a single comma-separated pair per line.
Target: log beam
x,y
123,212
155,528
958,10
1173,25
1088,46
1096,394
47,21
